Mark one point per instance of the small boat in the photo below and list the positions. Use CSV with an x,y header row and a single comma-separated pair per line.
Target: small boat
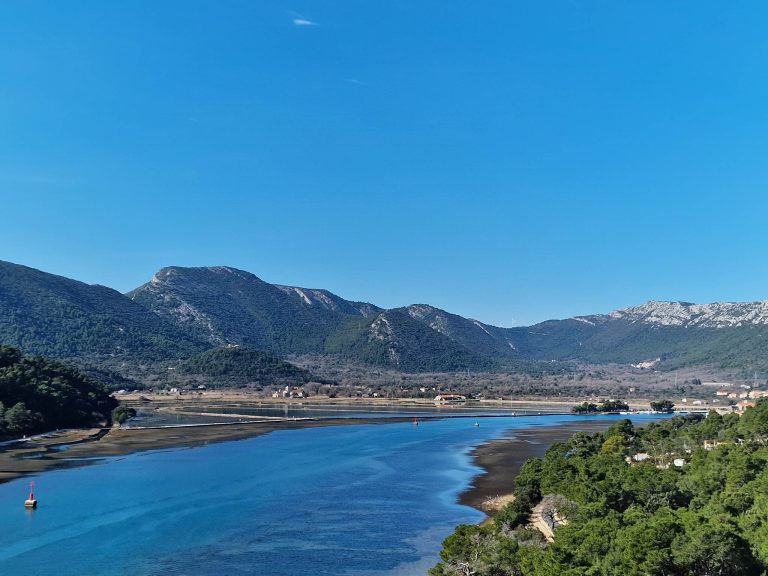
x,y
30,503
415,422
477,424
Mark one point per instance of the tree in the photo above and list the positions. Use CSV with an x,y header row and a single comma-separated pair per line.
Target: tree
x,y
643,548
9,356
706,518
615,445
710,428
755,420
614,406
585,408
19,419
123,413
712,549
475,551
666,406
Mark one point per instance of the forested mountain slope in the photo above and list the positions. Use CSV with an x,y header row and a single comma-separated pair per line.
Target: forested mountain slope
x,y
229,306
732,335
46,314
183,311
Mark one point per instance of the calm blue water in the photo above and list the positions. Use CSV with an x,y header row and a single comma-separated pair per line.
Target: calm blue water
x,y
353,500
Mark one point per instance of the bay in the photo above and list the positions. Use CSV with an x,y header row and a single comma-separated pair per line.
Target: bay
x,y
355,500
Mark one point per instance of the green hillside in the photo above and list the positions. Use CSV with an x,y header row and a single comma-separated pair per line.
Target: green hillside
x,y
479,338
38,394
228,306
241,366
184,311
45,314
395,339
744,347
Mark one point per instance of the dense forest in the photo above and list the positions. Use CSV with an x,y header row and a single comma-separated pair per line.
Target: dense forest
x,y
241,366
38,394
685,496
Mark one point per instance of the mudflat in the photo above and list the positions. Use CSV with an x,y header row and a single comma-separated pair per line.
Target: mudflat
x,y
502,459
80,447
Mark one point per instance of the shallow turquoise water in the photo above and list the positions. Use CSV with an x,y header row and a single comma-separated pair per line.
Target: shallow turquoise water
x,y
355,500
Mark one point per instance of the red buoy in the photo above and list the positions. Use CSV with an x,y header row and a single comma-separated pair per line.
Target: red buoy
x,y
31,502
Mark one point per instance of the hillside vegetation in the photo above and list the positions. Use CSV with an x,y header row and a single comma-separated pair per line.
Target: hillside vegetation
x,y
45,314
38,394
395,339
183,311
240,366
228,306
645,518
625,342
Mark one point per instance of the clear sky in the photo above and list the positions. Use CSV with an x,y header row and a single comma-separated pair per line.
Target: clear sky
x,y
505,160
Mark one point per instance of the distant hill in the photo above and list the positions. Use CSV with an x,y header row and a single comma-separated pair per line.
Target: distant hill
x,y
183,311
241,366
666,334
224,305
393,338
228,306
46,314
475,336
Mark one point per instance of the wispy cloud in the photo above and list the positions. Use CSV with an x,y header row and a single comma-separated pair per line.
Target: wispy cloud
x,y
299,20
355,81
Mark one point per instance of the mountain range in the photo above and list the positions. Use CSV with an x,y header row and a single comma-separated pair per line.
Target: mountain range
x,y
181,312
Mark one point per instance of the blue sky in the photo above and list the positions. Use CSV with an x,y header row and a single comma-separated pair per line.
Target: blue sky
x,y
508,161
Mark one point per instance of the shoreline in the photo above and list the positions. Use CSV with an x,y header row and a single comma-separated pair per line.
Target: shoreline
x,y
232,398
502,458
82,447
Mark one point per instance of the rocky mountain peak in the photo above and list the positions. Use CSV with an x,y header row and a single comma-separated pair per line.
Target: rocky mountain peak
x,y
687,314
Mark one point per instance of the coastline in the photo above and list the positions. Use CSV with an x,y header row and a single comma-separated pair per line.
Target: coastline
x,y
501,460
82,447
